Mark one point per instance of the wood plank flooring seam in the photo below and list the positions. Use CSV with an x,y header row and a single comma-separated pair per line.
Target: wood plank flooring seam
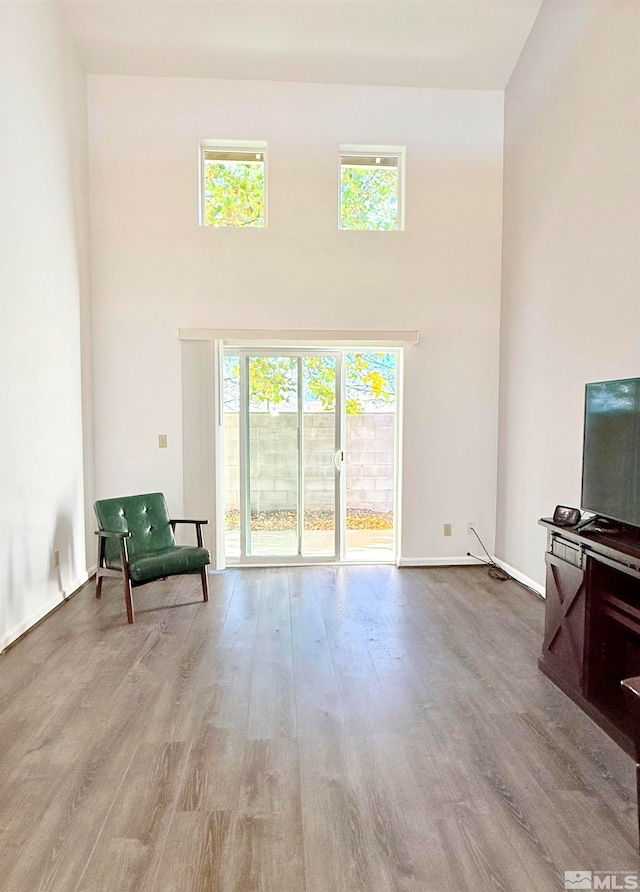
x,y
235,583
173,812
253,649
293,658
106,818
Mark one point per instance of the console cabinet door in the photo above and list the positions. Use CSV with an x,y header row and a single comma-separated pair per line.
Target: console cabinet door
x,y
563,648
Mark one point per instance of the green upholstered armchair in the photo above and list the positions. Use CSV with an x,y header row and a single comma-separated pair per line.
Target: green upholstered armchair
x,y
136,542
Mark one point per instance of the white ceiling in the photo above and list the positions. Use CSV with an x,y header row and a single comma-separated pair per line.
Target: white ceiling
x,y
471,44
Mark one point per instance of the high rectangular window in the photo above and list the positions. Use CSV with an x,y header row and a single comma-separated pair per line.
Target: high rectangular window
x,y
233,183
371,188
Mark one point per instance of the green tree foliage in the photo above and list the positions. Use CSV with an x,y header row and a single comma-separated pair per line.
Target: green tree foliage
x,y
273,380
368,197
319,375
371,380
273,383
234,193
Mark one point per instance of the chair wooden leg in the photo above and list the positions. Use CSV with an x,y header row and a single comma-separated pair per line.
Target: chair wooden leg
x,y
99,577
124,555
128,598
205,584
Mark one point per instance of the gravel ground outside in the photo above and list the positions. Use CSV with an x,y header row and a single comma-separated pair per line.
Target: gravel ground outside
x,y
357,519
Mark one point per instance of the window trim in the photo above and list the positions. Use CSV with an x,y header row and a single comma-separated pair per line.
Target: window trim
x,y
360,151
228,145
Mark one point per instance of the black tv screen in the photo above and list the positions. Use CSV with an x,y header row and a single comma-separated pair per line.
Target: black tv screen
x,y
611,457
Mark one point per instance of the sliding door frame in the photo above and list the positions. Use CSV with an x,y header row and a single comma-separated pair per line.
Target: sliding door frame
x,y
202,412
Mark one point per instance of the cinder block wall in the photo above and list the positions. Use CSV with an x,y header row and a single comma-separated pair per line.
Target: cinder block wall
x,y
274,467
370,461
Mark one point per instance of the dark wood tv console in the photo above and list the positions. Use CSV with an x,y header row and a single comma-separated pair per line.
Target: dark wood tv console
x,y
592,622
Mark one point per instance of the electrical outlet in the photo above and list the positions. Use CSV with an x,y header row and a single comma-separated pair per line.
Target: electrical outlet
x,y
56,558
162,441
447,529
471,527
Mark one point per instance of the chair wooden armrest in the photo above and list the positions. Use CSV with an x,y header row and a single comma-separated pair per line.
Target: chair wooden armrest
x,y
198,525
183,520
108,534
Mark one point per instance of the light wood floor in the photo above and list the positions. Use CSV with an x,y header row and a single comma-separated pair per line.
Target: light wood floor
x,y
309,730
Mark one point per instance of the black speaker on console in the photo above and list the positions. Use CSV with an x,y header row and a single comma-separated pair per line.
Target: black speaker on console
x,y
566,517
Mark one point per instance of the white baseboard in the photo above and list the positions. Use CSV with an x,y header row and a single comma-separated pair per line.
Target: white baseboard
x,y
39,614
519,576
454,561
471,562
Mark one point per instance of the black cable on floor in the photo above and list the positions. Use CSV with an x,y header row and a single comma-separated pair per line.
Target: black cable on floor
x,y
495,571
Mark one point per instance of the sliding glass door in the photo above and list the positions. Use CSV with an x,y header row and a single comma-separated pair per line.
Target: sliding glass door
x,y
310,445
283,455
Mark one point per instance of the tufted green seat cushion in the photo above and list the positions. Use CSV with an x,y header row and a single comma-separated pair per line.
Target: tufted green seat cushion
x,y
168,562
152,548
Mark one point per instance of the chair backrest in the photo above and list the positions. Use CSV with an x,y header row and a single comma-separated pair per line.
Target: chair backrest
x,y
145,516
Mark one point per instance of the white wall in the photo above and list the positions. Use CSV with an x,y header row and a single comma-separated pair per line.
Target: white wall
x,y
571,265
43,287
155,270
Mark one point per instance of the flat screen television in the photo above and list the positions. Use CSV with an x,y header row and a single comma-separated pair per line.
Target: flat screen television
x,y
611,455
